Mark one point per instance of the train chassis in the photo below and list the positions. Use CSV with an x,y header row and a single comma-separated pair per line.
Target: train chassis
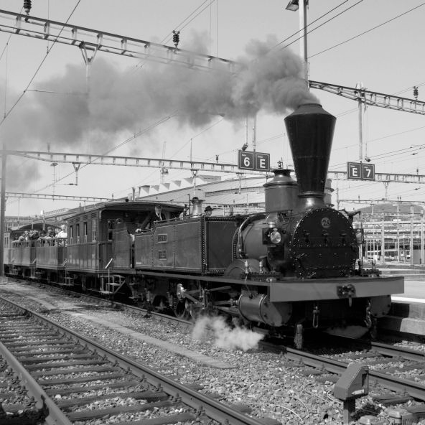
x,y
189,298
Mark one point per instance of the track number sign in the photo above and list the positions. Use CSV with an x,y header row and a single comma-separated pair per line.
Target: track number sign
x,y
360,171
256,161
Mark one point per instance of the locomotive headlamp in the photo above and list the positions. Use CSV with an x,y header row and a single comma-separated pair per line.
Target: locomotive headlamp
x,y
275,237
272,235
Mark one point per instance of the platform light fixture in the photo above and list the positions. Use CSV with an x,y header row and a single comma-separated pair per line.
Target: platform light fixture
x,y
293,5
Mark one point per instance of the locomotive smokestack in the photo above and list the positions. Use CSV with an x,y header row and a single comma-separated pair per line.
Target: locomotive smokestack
x,y
310,131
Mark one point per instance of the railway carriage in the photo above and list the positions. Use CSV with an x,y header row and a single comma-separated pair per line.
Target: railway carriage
x,y
100,249
23,258
22,248
50,259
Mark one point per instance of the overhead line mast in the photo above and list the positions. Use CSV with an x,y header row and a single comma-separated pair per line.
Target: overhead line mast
x,y
91,41
127,161
21,195
131,161
371,98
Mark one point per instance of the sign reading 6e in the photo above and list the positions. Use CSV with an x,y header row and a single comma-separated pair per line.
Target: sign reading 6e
x,y
254,161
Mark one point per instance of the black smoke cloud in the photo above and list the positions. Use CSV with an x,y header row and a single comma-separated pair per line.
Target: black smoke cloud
x,y
60,113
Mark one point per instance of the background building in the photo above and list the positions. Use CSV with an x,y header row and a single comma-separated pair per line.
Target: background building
x,y
393,232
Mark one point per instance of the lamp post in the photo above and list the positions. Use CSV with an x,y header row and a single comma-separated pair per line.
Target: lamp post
x,y
2,208
301,7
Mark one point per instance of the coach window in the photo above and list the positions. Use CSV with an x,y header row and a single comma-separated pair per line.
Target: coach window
x,y
93,229
77,232
71,234
110,229
85,231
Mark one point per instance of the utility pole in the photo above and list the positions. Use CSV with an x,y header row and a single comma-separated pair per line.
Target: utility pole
x,y
301,7
303,28
359,86
2,208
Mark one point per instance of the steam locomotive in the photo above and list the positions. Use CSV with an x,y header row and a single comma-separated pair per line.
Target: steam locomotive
x,y
293,267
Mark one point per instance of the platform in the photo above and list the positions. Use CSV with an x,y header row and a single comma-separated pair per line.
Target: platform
x,y
407,312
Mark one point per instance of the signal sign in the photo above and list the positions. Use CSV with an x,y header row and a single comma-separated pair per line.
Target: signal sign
x,y
360,171
256,161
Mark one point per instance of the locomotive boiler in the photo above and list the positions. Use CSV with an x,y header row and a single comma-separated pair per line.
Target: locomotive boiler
x,y
299,235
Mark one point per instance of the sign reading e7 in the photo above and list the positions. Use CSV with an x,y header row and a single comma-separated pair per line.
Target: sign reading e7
x,y
360,171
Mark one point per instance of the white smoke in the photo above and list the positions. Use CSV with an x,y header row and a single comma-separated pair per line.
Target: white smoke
x,y
224,336
121,102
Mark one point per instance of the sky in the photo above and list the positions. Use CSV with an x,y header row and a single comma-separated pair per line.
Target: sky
x,y
136,107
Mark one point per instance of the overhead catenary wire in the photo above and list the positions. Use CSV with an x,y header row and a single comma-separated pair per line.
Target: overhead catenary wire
x,y
359,35
5,80
183,24
129,139
195,136
189,19
7,113
180,26
311,23
368,31
5,52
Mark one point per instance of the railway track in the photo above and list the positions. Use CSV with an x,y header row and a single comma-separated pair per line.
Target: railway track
x,y
74,380
107,303
397,369
395,372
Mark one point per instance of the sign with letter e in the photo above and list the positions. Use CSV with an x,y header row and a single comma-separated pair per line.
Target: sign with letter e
x,y
354,171
262,161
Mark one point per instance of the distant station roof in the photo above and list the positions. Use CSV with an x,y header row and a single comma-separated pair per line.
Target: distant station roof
x,y
239,192
392,208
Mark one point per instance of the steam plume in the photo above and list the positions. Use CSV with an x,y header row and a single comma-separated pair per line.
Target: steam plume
x,y
224,336
123,102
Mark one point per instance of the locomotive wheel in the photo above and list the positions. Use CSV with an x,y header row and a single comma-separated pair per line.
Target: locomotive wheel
x,y
185,310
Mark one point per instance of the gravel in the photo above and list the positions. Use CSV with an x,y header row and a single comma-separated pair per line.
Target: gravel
x,y
266,382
